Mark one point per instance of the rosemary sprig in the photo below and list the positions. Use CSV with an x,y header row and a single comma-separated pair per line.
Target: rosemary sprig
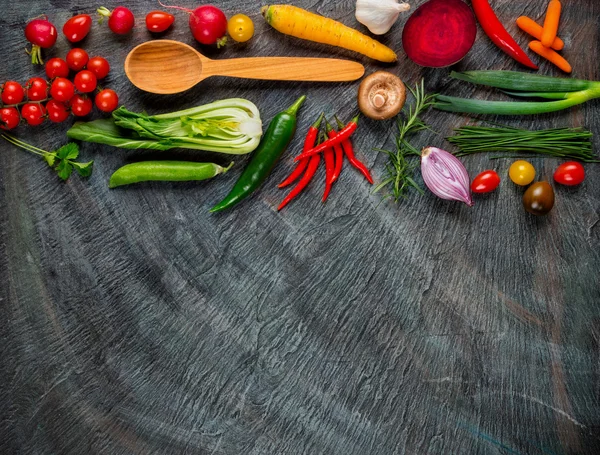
x,y
400,169
575,143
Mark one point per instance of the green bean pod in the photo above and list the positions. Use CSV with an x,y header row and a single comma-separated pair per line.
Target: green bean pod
x,y
165,171
274,142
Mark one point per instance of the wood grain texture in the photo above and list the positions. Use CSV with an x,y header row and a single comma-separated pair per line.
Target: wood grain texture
x,y
134,322
168,67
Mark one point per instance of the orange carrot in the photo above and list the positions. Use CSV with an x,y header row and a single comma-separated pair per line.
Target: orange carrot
x,y
550,55
530,26
551,23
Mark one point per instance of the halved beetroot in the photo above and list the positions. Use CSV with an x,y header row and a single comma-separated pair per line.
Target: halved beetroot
x,y
439,33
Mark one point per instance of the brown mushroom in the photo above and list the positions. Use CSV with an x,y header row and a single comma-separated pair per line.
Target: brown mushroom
x,y
381,95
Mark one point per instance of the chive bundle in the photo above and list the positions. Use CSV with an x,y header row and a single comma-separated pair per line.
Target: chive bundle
x,y
572,143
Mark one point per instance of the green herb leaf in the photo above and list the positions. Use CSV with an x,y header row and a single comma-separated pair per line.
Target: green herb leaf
x,y
64,169
68,151
83,169
50,158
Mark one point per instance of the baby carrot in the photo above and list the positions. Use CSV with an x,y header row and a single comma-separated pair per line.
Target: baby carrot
x,y
531,27
550,55
551,23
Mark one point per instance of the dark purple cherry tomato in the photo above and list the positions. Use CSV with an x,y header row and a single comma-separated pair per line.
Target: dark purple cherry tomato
x,y
37,89
33,113
570,173
485,182
12,93
77,28
539,198
159,21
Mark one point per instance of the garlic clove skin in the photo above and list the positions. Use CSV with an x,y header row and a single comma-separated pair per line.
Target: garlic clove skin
x,y
379,15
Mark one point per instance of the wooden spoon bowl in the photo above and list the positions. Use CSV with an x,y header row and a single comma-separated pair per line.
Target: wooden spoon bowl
x,y
166,67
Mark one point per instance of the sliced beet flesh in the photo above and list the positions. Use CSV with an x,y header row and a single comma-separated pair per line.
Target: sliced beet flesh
x,y
439,33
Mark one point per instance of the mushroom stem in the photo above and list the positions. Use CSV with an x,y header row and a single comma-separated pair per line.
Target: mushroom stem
x,y
379,100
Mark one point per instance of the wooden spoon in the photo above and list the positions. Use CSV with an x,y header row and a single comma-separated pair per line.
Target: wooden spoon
x,y
166,66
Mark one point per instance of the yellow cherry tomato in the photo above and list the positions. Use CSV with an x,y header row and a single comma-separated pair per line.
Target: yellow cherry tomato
x,y
521,172
240,27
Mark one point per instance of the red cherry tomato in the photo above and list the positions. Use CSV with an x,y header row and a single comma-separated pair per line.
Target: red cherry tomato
x,y
9,118
33,113
159,21
107,100
57,67
77,59
62,89
77,28
99,66
81,105
12,93
485,182
570,173
57,111
37,89
85,81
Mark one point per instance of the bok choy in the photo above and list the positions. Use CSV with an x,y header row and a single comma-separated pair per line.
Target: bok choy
x,y
230,126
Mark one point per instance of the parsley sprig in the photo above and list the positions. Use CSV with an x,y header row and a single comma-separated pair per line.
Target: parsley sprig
x,y
399,168
61,160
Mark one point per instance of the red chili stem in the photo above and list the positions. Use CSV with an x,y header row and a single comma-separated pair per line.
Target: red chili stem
x,y
343,134
309,143
494,29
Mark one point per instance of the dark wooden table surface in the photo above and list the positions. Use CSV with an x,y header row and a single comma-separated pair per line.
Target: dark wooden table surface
x,y
135,322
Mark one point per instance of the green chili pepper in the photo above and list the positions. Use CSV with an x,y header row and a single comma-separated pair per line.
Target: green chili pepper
x,y
168,171
274,142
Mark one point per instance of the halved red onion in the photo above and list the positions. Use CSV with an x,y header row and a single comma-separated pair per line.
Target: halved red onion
x,y
445,175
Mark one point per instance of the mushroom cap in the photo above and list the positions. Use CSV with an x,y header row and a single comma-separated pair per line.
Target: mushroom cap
x,y
381,95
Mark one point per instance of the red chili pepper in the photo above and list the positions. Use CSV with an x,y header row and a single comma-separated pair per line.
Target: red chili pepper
x,y
329,169
493,28
349,151
309,142
342,135
339,153
313,164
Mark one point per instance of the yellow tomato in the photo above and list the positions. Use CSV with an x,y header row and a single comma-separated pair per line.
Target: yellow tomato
x,y
521,172
240,27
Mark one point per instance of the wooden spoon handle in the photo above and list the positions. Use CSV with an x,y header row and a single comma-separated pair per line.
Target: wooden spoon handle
x,y
285,69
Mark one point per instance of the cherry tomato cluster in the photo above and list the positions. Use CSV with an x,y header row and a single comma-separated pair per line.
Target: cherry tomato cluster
x,y
54,99
539,197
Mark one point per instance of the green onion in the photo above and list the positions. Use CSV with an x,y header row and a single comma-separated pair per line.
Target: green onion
x,y
566,92
228,126
572,143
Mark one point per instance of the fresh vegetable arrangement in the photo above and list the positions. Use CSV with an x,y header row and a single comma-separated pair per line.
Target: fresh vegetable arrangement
x,y
437,34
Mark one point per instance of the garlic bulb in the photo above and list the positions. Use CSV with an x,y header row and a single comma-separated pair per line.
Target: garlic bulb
x,y
379,15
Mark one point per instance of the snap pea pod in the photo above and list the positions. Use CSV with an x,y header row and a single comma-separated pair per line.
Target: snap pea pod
x,y
165,171
274,142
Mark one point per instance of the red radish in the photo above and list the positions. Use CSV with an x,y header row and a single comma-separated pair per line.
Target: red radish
x,y
77,28
9,118
439,33
207,23
42,34
120,20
